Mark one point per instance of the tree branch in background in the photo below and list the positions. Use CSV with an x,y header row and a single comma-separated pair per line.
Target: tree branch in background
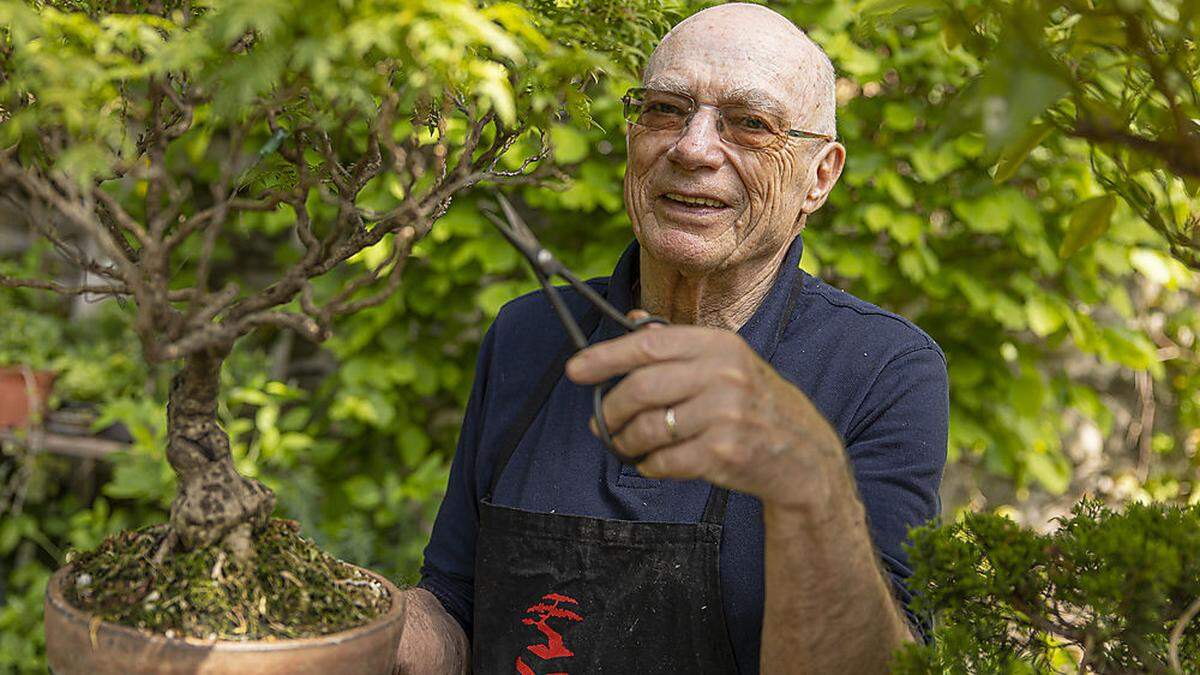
x,y
1182,157
1177,633
63,289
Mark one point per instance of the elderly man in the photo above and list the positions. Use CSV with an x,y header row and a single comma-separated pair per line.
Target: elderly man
x,y
788,433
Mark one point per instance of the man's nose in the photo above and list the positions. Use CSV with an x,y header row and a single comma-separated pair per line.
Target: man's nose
x,y
699,144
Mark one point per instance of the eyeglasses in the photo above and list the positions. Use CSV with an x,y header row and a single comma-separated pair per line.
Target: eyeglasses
x,y
737,123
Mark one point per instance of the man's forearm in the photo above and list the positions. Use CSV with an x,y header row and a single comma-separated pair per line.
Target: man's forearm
x,y
432,643
828,608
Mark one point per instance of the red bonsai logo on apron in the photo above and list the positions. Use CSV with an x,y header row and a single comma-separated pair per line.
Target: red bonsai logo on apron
x,y
554,648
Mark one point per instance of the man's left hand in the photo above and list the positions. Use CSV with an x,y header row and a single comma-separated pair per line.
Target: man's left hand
x,y
738,423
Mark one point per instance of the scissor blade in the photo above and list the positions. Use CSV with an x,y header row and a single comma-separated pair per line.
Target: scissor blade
x,y
516,227
509,235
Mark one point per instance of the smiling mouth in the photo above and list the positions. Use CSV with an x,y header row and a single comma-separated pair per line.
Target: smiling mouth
x,y
694,202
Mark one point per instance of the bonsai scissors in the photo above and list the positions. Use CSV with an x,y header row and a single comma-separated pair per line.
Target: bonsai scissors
x,y
544,266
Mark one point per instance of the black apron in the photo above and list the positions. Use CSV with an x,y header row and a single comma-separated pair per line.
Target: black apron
x,y
559,594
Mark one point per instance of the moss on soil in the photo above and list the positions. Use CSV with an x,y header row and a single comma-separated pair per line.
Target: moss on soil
x,y
290,589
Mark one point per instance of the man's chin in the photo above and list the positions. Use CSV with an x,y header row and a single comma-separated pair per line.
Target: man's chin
x,y
683,248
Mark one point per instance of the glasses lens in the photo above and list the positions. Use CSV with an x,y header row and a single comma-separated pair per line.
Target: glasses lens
x,y
749,127
740,125
657,109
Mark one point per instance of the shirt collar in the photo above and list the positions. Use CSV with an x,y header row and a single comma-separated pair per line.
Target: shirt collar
x,y
762,331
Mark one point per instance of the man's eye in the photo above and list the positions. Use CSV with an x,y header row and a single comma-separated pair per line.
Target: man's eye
x,y
751,123
663,108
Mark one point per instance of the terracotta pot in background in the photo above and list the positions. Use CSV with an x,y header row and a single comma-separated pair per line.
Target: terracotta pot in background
x,y
23,395
75,645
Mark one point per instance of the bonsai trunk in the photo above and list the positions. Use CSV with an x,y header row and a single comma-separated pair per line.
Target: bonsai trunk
x,y
213,503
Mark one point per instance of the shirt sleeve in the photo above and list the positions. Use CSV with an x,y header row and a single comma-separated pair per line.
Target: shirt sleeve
x,y
897,449
449,568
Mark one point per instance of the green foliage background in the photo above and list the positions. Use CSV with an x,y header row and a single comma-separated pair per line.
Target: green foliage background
x,y
356,442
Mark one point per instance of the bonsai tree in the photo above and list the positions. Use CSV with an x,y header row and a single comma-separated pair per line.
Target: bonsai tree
x,y
1106,592
138,135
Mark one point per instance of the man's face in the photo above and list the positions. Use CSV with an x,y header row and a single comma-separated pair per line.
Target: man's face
x,y
761,192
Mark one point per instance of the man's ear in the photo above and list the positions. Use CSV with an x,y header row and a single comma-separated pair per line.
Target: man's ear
x,y
829,162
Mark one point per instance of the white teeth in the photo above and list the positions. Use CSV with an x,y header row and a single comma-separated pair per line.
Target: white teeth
x,y
694,201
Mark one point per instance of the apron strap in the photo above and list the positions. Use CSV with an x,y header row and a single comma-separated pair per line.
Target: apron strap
x,y
537,398
714,510
789,306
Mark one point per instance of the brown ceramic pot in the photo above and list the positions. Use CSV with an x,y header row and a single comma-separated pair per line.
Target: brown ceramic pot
x,y
78,645
23,395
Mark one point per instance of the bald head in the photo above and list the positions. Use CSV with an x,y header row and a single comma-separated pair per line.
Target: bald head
x,y
752,47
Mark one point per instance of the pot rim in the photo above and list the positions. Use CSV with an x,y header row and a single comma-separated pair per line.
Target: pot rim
x,y
56,599
18,369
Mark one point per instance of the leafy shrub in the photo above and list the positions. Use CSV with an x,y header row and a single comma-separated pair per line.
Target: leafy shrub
x,y
1107,592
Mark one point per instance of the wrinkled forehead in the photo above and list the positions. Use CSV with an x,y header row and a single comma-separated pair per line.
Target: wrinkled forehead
x,y
743,58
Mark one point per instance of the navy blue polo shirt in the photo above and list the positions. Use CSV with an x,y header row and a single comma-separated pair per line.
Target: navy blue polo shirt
x,y
879,380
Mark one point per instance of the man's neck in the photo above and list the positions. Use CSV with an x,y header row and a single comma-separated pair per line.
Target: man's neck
x,y
724,299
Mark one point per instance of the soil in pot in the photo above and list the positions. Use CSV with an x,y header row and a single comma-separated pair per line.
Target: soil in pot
x,y
289,589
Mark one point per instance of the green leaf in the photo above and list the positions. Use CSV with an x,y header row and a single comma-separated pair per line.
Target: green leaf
x,y
492,297
1152,265
910,265
1043,316
877,217
1006,310
1029,393
932,161
991,214
493,85
1014,154
10,534
897,188
1130,349
1051,471
953,33
1089,220
570,145
898,10
975,292
1192,185
414,444
899,117
362,492
1018,84
850,58
265,419
906,228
